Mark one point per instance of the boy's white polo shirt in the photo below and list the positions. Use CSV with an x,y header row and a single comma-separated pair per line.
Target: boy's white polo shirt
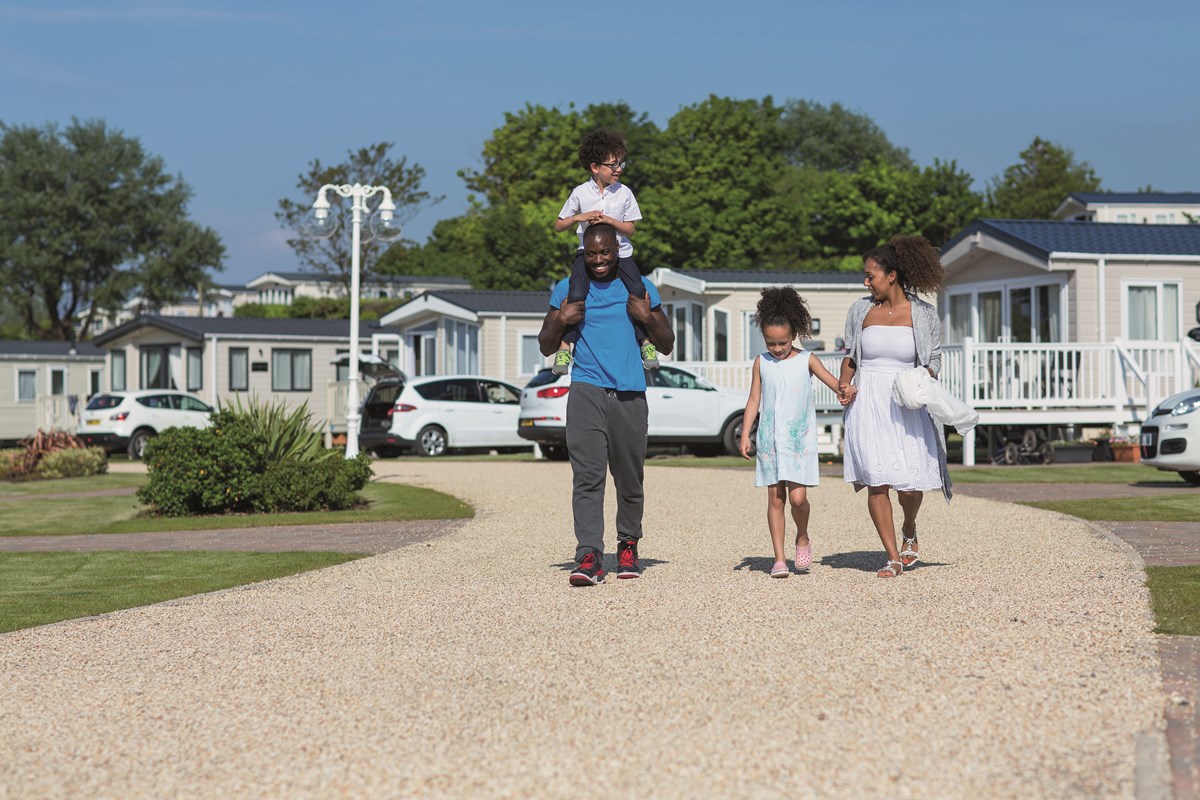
x,y
616,201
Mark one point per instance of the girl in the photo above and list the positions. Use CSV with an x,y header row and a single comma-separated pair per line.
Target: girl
x,y
887,445
787,436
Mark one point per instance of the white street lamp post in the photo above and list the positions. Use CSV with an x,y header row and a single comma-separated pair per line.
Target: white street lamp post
x,y
384,227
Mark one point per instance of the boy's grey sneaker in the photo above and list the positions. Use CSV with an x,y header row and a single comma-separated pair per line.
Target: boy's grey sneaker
x,y
628,565
562,362
589,571
649,356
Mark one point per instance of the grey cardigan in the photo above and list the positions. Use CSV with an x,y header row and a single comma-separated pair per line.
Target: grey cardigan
x,y
927,331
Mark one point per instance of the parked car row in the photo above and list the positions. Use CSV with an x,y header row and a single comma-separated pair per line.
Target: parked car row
x,y
437,414
434,415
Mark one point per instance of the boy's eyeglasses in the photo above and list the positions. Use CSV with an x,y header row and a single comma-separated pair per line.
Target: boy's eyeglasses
x,y
613,165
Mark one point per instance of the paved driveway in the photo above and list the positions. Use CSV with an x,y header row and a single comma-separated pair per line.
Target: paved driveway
x,y
1017,662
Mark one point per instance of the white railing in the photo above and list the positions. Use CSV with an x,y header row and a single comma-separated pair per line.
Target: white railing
x,y
337,404
1127,378
54,413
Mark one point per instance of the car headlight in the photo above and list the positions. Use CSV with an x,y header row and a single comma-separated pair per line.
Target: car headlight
x,y
1185,407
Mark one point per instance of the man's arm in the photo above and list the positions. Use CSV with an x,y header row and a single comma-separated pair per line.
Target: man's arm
x,y
658,327
555,325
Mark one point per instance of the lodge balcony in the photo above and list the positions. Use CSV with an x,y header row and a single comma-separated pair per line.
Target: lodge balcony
x,y
1110,384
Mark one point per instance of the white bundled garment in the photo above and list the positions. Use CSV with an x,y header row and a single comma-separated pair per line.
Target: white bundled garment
x,y
915,388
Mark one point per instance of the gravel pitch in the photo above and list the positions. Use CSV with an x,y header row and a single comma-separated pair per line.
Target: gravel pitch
x,y
1016,661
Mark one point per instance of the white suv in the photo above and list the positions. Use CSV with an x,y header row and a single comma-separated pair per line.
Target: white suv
x,y
684,409
434,414
127,420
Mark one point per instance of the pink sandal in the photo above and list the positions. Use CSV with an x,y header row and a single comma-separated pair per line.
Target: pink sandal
x,y
780,570
804,556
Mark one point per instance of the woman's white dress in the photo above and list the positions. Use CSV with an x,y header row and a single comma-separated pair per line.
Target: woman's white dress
x,y
787,422
886,443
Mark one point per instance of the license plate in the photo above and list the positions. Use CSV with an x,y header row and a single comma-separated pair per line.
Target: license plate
x,y
93,422
525,423
1147,440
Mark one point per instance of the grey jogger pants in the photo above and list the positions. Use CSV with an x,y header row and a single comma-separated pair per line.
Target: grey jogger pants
x,y
606,431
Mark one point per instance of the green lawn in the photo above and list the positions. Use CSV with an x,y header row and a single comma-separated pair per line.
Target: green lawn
x,y
1081,473
1175,595
40,588
1158,508
24,513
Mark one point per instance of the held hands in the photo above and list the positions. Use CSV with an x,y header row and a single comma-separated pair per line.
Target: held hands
x,y
590,217
846,393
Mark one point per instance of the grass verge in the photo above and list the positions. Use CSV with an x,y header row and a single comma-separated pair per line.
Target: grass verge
x,y
1159,508
23,512
1175,596
1082,473
40,588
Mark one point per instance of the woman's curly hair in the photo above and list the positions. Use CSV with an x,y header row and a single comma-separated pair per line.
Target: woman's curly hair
x,y
783,305
598,144
916,262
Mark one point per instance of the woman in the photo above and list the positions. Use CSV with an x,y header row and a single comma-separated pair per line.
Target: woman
x,y
889,446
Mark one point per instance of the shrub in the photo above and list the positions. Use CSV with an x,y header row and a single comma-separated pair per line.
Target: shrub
x,y
331,484
22,463
210,470
12,462
251,459
73,463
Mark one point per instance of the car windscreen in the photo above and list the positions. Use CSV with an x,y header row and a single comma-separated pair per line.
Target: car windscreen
x,y
103,401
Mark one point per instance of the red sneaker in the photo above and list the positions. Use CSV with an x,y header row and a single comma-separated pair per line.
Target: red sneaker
x,y
589,572
627,559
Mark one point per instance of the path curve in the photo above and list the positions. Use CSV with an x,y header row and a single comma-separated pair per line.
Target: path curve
x,y
1018,662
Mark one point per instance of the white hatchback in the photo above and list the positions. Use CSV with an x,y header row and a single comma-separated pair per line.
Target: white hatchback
x,y
684,409
1170,436
127,420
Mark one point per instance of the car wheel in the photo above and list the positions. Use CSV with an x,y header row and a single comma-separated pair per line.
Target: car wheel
x,y
137,444
1191,477
555,452
431,441
731,436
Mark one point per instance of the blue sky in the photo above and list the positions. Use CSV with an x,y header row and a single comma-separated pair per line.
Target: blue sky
x,y
237,97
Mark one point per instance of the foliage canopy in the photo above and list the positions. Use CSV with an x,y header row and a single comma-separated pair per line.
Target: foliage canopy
x,y
88,219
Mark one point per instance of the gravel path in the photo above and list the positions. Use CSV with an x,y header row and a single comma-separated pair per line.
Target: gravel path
x,y
1018,662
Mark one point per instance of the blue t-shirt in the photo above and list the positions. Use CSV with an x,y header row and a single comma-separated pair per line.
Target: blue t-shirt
x,y
607,353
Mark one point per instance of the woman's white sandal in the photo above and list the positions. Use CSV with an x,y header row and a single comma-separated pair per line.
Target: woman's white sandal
x,y
892,571
908,551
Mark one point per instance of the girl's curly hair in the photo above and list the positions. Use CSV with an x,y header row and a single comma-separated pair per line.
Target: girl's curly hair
x,y
598,144
916,262
783,305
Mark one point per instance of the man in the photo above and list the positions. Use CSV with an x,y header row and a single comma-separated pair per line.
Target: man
x,y
606,408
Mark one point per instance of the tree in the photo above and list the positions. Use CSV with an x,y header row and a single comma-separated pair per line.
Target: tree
x,y
519,250
1033,188
371,166
529,158
534,157
835,139
87,217
854,212
710,199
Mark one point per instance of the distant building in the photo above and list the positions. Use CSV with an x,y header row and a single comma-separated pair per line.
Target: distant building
x,y
1146,208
